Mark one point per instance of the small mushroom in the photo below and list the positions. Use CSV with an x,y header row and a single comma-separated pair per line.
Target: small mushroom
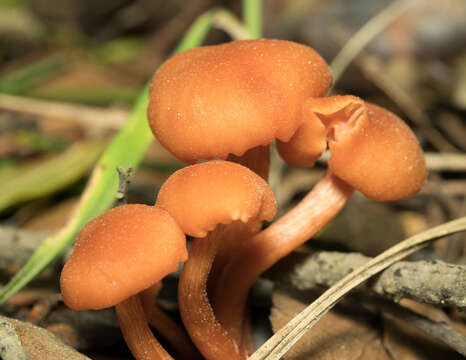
x,y
213,201
372,150
117,255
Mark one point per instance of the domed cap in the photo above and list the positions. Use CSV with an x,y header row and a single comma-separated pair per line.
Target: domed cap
x,y
371,148
120,253
216,100
201,196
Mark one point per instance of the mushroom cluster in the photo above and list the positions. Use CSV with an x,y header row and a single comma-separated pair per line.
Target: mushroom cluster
x,y
129,249
231,102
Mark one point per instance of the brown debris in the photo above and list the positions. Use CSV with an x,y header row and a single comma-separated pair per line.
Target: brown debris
x,y
338,335
40,344
433,282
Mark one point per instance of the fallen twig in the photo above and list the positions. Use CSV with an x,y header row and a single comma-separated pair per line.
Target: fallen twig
x,y
434,161
124,176
87,116
433,282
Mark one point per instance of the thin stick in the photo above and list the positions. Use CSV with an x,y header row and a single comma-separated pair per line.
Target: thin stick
x,y
284,339
228,22
365,34
445,161
373,68
124,176
432,282
110,118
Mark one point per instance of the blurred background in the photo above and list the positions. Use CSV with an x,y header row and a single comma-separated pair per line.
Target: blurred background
x,y
70,71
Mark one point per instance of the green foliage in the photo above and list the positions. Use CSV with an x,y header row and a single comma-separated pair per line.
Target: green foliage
x,y
23,79
45,177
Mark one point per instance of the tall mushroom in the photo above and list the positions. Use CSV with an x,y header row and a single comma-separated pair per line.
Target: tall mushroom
x,y
213,201
372,150
230,101
117,255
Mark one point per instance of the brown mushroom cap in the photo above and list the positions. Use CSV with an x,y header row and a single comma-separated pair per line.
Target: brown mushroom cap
x,y
380,156
371,149
216,100
201,196
120,253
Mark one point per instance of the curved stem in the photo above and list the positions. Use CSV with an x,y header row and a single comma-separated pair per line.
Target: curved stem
x,y
257,159
196,312
164,325
263,250
140,339
247,333
173,333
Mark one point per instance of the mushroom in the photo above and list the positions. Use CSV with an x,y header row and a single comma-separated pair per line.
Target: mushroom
x,y
213,201
372,150
230,101
117,255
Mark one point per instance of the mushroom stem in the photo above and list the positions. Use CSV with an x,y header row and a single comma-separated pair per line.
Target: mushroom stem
x,y
140,339
257,159
314,211
165,326
247,335
173,333
196,311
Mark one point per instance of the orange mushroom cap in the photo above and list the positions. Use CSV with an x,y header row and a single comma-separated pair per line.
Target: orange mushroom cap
x,y
201,196
120,253
371,148
216,100
382,159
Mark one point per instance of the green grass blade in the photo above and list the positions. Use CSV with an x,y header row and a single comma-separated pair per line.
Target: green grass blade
x,y
23,79
97,96
252,17
45,177
127,148
227,21
365,34
197,32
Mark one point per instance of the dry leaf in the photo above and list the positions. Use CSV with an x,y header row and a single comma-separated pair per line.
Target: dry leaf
x,y
338,335
405,342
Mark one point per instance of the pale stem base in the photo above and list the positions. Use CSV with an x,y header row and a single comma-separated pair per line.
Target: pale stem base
x,y
138,336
